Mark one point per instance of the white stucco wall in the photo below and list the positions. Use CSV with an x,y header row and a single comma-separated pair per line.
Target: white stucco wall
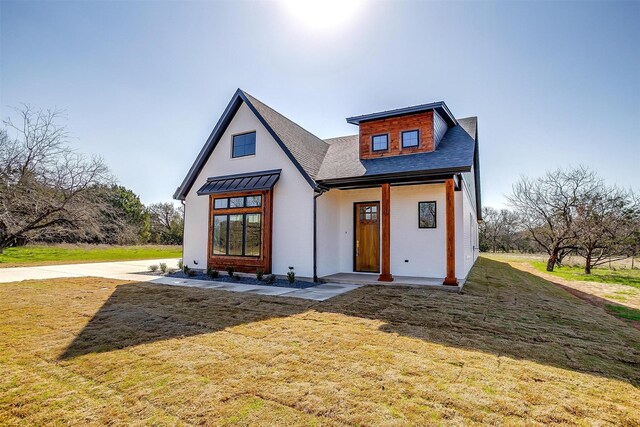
x,y
466,233
423,249
328,217
292,205
414,251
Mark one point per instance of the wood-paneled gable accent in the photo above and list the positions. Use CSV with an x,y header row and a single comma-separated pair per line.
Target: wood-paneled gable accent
x,y
242,263
394,126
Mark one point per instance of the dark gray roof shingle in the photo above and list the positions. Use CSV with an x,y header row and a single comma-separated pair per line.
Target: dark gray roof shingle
x,y
337,158
308,149
455,151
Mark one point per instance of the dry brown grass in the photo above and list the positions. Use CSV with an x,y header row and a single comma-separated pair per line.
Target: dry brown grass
x,y
513,349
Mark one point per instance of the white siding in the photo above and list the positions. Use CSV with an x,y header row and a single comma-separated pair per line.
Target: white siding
x,y
292,204
439,127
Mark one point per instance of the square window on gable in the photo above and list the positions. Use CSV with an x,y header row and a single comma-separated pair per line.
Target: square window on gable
x,y
410,138
244,145
380,142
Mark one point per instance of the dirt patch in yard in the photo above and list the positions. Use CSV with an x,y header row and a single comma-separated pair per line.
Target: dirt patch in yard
x,y
513,349
602,295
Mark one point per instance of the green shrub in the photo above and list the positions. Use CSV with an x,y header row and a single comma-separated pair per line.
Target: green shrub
x,y
212,273
180,264
270,279
230,271
186,269
291,275
163,267
259,274
153,268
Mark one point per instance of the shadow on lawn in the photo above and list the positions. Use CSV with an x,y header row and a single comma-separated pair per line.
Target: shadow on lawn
x,y
502,311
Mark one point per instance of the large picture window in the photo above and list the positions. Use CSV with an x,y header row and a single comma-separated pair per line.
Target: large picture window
x,y
244,145
237,234
236,226
240,231
427,214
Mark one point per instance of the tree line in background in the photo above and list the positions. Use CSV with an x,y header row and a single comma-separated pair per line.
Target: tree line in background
x,y
51,193
566,212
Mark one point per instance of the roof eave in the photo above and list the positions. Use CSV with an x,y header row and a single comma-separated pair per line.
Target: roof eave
x,y
235,102
440,107
395,176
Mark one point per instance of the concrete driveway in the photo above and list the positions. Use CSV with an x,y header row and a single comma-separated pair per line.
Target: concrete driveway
x,y
138,271
123,270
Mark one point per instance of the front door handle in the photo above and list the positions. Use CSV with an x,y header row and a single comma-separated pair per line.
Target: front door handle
x,y
357,248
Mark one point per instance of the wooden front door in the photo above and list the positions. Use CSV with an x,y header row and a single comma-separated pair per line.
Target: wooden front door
x,y
367,237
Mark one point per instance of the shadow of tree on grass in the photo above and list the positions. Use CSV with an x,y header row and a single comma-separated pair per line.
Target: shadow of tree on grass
x,y
502,311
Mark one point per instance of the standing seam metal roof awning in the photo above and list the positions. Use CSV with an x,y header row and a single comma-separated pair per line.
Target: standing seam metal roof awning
x,y
264,180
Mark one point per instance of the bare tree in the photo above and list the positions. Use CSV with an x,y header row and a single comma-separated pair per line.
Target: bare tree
x,y
605,219
166,223
547,205
45,186
499,229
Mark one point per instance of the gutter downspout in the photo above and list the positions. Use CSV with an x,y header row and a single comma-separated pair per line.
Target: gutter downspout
x,y
184,224
320,191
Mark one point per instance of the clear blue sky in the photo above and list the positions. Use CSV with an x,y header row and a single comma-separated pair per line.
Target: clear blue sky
x,y
143,83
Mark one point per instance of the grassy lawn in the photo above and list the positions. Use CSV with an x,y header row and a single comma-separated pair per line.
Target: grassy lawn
x,y
618,286
513,349
33,255
625,276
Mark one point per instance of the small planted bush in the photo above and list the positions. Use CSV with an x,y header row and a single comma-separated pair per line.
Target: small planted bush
x,y
291,275
163,267
230,271
186,269
180,264
153,268
259,274
212,273
270,279
237,277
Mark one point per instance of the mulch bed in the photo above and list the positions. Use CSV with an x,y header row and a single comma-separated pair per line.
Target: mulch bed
x,y
280,283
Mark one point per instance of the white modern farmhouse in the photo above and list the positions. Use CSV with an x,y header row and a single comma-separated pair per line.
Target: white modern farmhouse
x,y
401,198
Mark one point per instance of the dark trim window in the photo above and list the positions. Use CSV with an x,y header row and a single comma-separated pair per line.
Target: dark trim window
x,y
238,202
380,142
427,214
237,233
244,145
410,138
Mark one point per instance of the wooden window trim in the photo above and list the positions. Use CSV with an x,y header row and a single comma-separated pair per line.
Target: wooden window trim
x,y
245,264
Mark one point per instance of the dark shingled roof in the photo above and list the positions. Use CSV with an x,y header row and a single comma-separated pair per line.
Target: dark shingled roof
x,y
338,158
454,152
308,149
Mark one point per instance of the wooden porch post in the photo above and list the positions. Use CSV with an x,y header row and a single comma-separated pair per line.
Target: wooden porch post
x,y
451,233
385,272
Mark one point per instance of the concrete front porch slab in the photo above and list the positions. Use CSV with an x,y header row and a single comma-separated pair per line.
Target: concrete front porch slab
x,y
372,279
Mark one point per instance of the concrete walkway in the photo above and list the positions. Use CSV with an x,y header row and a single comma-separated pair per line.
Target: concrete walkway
x,y
139,271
